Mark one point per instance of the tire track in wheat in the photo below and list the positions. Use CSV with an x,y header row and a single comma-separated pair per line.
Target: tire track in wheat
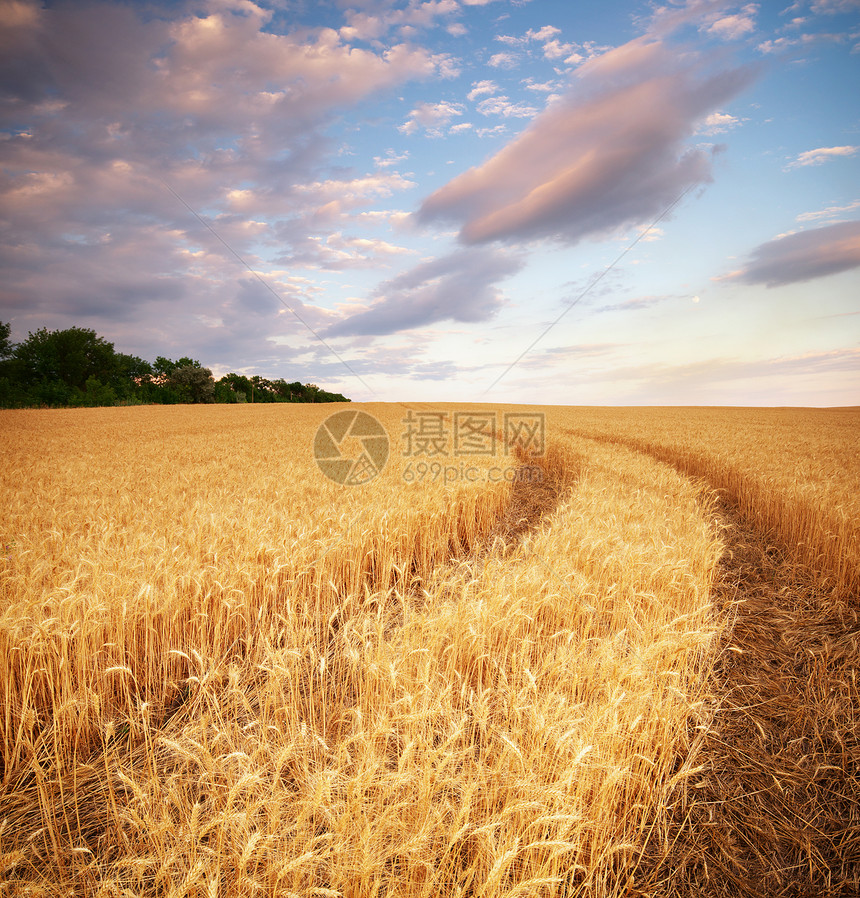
x,y
778,812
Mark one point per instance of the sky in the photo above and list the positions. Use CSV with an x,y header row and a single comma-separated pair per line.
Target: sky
x,y
533,201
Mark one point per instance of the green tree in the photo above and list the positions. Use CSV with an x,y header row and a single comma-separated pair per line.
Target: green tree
x,y
97,393
63,359
6,346
11,394
132,377
193,383
163,367
239,386
263,390
77,367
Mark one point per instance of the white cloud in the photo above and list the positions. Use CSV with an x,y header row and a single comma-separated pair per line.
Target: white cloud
x,y
495,131
430,116
831,212
821,155
548,32
558,50
546,87
717,123
551,47
390,158
367,26
735,26
780,44
503,60
479,88
503,106
364,247
512,41
355,190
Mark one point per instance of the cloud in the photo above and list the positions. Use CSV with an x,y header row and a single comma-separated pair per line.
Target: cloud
x,y
831,212
430,116
702,14
718,123
104,84
821,155
803,256
735,26
491,132
390,158
804,41
639,303
552,47
548,32
457,287
479,88
816,378
503,106
577,353
105,104
546,87
832,7
609,154
558,50
504,60
713,371
367,26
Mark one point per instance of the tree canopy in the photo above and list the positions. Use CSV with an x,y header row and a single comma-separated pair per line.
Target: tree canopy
x,y
76,367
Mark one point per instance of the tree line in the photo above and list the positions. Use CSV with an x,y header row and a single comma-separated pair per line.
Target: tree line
x,y
76,367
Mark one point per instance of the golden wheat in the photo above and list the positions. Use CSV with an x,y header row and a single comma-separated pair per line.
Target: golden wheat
x,y
224,674
794,472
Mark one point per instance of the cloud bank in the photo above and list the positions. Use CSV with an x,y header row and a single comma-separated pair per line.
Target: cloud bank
x,y
610,154
114,117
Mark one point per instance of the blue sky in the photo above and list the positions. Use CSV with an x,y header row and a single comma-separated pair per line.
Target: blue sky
x,y
461,200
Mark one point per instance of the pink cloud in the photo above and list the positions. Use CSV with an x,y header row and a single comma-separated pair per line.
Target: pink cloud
x,y
734,27
106,103
457,287
803,256
610,154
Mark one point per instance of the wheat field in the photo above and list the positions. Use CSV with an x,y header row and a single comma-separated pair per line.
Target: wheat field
x,y
510,674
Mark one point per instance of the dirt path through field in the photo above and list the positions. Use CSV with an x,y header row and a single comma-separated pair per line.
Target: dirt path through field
x,y
777,812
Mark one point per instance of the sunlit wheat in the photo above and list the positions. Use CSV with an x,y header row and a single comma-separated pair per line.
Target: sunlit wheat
x,y
224,674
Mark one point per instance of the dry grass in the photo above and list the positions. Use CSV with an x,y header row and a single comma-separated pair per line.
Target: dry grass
x,y
224,675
